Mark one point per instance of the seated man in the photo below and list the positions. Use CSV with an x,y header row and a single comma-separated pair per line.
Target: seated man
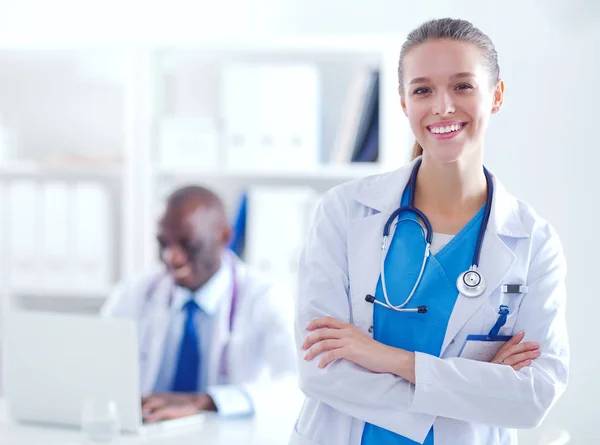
x,y
213,334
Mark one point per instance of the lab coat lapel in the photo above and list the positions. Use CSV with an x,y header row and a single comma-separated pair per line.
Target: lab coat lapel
x,y
221,333
381,194
220,340
364,259
154,325
495,261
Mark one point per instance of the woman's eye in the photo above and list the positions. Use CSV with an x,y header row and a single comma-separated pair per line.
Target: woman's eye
x,y
464,86
421,90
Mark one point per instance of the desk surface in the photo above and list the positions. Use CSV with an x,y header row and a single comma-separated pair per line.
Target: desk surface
x,y
274,430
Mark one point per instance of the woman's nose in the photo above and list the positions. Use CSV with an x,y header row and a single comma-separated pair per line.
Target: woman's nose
x,y
443,105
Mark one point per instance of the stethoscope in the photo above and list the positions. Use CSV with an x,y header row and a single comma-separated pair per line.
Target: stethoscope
x,y
151,291
469,283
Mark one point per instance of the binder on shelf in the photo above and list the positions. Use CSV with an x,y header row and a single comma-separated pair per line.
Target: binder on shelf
x,y
60,237
188,141
369,152
237,243
360,94
92,239
6,143
362,102
366,147
271,116
24,234
55,229
278,221
4,237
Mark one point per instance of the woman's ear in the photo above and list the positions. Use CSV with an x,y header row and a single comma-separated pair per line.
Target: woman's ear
x,y
498,96
402,102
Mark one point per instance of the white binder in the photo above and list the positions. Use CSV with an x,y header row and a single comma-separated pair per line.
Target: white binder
x,y
24,216
54,228
278,220
271,116
92,242
188,142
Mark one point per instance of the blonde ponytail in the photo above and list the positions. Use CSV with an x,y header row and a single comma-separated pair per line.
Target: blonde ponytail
x,y
416,151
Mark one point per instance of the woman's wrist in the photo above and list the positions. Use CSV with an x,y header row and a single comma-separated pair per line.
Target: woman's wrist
x,y
403,364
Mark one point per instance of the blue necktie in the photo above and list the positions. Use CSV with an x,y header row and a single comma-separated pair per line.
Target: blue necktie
x,y
188,363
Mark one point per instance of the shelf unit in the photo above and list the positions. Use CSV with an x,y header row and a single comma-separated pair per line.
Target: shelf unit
x,y
326,173
140,74
68,173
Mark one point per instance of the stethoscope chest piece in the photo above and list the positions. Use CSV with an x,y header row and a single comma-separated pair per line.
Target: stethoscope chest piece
x,y
471,283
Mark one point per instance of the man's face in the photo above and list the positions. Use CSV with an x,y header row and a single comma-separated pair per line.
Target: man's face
x,y
191,237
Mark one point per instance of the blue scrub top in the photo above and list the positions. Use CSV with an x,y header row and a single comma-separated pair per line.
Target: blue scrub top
x,y
409,330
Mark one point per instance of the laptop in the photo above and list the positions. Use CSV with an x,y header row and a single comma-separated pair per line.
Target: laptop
x,y
55,363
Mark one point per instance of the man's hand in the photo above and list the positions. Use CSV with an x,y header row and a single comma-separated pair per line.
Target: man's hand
x,y
166,406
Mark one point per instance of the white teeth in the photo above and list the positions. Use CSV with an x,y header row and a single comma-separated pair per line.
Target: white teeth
x,y
446,129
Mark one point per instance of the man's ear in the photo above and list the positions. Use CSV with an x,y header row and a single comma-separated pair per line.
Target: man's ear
x,y
226,235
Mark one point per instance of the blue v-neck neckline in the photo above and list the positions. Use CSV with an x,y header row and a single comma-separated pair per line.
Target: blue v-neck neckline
x,y
474,223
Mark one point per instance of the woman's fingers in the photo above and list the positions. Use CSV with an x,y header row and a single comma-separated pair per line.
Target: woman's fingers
x,y
320,335
516,339
522,347
521,357
330,356
522,365
322,346
503,354
325,322
519,349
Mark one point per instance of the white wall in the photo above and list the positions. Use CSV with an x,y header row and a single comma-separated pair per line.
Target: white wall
x,y
62,104
542,144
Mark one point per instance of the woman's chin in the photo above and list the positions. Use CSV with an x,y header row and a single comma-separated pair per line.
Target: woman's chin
x,y
446,154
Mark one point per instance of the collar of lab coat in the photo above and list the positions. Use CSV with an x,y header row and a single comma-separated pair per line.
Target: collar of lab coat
x,y
212,292
384,192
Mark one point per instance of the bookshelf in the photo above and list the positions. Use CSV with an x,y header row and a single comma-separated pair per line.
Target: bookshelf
x,y
129,89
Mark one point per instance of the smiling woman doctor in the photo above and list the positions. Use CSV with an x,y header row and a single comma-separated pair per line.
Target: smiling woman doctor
x,y
399,344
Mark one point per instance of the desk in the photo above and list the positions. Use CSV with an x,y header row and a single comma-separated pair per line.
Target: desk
x,y
274,429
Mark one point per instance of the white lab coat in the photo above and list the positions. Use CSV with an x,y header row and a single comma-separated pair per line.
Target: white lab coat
x,y
260,349
468,402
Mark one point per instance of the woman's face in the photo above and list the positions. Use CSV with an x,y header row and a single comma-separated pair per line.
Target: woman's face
x,y
448,97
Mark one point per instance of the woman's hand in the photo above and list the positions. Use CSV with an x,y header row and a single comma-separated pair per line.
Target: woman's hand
x,y
338,340
516,354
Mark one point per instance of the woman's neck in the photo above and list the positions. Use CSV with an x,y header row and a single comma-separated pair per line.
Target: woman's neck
x,y
452,189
